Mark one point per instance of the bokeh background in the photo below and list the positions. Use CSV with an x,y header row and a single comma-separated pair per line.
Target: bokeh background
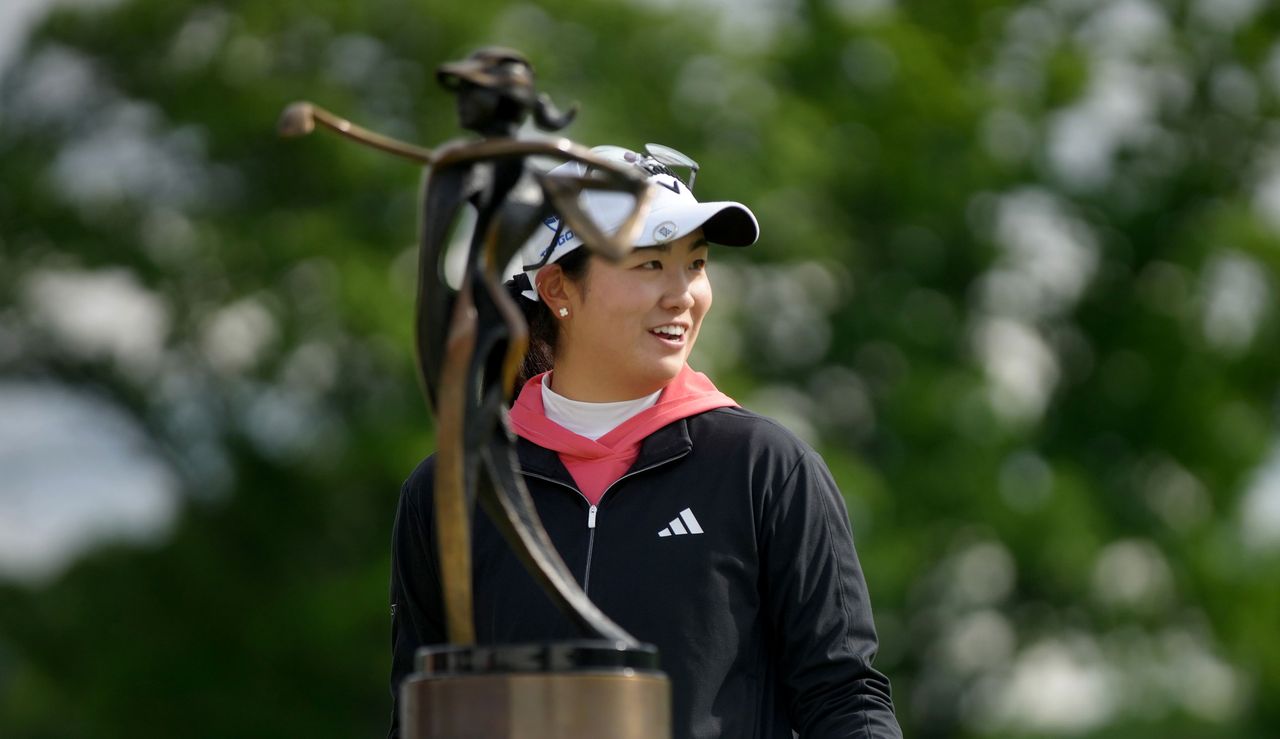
x,y
1018,283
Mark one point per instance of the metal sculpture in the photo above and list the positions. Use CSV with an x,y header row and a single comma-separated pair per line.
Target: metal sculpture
x,y
470,341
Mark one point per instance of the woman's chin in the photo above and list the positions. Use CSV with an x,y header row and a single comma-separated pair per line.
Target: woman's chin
x,y
656,376
667,370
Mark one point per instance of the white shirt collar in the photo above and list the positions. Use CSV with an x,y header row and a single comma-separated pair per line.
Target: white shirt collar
x,y
591,420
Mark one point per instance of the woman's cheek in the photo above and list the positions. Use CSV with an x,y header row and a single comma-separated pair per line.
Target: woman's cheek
x,y
703,297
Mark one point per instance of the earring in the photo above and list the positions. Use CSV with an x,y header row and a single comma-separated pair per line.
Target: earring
x,y
564,312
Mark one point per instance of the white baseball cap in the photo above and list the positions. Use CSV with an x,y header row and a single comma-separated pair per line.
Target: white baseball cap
x,y
673,211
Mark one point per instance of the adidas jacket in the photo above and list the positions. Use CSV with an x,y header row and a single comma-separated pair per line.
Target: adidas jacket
x,y
726,545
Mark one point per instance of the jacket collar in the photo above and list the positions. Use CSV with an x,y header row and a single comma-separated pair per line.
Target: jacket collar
x,y
665,444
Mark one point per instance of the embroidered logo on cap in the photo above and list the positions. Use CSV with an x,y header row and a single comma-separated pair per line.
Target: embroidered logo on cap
x,y
665,231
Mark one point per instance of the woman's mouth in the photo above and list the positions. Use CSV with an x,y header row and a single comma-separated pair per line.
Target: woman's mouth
x,y
670,333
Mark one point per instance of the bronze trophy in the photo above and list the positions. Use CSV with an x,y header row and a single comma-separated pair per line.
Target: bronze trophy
x,y
470,343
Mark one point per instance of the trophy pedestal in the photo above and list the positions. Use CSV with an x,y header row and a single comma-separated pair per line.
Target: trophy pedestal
x,y
572,690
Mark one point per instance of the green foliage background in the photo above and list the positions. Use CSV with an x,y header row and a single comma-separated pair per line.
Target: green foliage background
x,y
1045,448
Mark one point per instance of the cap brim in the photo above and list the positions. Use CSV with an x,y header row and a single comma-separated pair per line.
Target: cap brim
x,y
452,75
726,223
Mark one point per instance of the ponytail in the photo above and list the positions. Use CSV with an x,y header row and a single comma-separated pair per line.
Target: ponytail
x,y
543,327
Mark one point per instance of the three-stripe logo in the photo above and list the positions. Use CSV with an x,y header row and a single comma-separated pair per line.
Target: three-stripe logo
x,y
683,524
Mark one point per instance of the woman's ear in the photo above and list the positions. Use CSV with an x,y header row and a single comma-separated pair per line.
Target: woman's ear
x,y
554,288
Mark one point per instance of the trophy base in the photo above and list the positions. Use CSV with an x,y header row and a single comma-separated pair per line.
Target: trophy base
x,y
576,690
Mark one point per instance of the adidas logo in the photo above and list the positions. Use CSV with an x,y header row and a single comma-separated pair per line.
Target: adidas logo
x,y
683,524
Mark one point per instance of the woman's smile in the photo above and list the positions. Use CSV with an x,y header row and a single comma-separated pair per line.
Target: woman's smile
x,y
670,333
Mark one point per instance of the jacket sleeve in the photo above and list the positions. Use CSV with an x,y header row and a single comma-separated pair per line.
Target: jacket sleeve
x,y
416,608
820,612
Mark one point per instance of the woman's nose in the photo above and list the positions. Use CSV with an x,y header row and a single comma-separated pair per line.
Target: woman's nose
x,y
679,293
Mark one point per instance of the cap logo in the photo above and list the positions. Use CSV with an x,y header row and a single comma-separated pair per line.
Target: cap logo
x,y
673,187
553,223
665,231
567,236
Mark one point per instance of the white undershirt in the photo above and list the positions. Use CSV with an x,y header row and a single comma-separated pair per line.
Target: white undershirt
x,y
591,420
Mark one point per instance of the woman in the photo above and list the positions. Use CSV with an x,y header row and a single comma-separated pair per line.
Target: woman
x,y
698,526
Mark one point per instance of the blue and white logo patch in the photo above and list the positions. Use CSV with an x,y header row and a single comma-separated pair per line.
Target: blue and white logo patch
x,y
665,231
553,223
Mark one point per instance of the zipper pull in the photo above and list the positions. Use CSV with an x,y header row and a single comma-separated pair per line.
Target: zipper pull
x,y
591,518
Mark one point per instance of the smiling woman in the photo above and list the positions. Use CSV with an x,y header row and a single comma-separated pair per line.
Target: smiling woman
x,y
639,318
698,526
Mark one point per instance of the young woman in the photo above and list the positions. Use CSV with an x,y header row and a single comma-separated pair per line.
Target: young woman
x,y
700,527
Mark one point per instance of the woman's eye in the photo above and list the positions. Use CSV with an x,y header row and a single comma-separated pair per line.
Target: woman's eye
x,y
699,265
651,264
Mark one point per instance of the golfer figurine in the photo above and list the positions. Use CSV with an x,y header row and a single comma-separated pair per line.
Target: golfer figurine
x,y
470,344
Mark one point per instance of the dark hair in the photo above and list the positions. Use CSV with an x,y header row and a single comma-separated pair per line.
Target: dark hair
x,y
543,327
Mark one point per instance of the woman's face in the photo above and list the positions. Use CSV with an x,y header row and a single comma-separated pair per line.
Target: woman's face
x,y
631,325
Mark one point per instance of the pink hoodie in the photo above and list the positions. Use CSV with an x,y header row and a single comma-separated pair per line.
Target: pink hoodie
x,y
595,465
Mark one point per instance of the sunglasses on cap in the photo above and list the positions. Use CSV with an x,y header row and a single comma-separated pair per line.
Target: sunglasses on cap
x,y
656,159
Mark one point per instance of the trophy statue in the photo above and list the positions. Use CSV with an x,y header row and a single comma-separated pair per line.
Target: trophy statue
x,y
470,343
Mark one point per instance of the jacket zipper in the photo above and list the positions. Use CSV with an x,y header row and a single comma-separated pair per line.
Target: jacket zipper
x,y
593,511
591,544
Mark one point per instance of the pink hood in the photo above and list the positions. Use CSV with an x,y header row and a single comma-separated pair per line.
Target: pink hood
x,y
595,465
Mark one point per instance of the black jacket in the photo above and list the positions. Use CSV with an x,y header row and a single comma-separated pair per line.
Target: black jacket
x,y
762,620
